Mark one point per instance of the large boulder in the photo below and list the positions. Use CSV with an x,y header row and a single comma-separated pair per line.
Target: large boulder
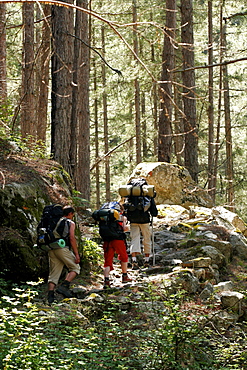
x,y
173,184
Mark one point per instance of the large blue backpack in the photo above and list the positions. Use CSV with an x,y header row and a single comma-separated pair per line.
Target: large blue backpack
x,y
109,220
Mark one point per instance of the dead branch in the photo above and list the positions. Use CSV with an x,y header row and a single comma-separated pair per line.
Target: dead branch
x,y
211,65
109,152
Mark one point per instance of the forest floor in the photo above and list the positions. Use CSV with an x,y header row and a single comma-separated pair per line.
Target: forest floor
x,y
23,169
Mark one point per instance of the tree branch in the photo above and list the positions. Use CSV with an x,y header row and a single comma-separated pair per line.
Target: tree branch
x,y
96,51
211,65
109,152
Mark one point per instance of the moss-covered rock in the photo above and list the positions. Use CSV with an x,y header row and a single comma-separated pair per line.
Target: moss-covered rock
x,y
19,261
29,185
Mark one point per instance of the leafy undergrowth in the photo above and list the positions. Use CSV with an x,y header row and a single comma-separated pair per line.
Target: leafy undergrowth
x,y
139,326
144,329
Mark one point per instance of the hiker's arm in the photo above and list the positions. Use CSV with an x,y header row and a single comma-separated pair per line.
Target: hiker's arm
x,y
125,226
73,242
153,208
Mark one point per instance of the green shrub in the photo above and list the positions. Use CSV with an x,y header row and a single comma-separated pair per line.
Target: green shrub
x,y
92,251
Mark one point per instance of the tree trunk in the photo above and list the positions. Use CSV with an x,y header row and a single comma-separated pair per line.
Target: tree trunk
x,y
43,81
82,173
228,133
137,91
28,118
144,128
189,102
155,120
105,119
179,137
219,103
3,68
211,146
96,137
178,127
62,59
165,119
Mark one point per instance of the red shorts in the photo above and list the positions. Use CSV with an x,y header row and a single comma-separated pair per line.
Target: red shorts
x,y
112,247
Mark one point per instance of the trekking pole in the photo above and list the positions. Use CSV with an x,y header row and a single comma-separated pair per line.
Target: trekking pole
x,y
153,242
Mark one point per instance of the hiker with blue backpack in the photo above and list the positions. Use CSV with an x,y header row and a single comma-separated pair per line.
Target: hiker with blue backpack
x,y
140,208
112,227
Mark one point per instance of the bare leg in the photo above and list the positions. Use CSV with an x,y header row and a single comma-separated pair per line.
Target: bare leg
x,y
106,271
124,267
71,275
51,286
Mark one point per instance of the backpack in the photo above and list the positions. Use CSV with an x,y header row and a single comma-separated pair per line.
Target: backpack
x,y
139,200
109,219
137,203
53,228
137,187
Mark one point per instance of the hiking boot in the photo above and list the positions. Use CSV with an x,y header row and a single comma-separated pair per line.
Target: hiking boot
x,y
146,264
135,266
106,284
51,296
126,279
64,290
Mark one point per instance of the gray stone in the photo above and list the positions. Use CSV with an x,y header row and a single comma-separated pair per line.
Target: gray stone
x,y
223,247
216,257
239,244
232,300
229,219
224,286
199,262
185,279
206,292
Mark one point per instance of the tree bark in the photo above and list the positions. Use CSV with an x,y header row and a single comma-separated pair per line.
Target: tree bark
x,y
28,117
62,59
105,119
137,91
165,119
96,135
43,72
144,128
155,119
228,133
211,146
216,157
80,125
3,54
189,102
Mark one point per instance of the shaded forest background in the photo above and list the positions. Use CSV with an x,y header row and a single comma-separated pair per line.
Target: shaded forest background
x,y
103,86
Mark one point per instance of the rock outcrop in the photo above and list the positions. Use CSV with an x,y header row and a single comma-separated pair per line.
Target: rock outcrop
x,y
27,187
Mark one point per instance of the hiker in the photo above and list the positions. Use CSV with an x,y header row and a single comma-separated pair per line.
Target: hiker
x,y
64,256
112,231
140,220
